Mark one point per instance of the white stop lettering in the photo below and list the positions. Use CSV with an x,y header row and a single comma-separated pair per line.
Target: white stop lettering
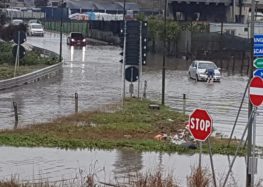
x,y
202,125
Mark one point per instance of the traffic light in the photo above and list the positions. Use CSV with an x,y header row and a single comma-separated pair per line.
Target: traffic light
x,y
121,36
144,41
132,52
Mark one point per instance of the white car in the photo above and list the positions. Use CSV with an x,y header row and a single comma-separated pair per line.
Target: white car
x,y
35,29
17,21
198,70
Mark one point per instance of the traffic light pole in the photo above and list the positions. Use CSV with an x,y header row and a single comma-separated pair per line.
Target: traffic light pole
x,y
140,61
250,107
164,54
124,59
61,21
17,53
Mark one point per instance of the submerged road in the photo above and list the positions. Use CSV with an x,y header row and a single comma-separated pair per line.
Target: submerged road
x,y
94,72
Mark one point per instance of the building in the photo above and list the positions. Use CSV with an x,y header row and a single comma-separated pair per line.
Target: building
x,y
235,11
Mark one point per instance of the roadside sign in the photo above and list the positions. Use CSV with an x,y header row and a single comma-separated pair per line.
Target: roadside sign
x,y
258,73
22,37
258,63
256,91
200,124
131,74
258,39
258,50
258,45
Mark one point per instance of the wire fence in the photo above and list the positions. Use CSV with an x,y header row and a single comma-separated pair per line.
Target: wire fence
x,y
67,26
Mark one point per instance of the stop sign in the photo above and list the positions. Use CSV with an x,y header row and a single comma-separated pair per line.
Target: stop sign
x,y
200,124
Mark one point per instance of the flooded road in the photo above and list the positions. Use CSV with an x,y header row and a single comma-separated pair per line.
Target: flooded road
x,y
54,165
94,72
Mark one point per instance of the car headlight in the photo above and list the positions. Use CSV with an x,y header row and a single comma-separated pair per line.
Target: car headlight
x,y
84,40
73,40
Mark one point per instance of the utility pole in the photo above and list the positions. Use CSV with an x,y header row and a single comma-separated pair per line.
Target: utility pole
x,y
61,24
164,54
249,134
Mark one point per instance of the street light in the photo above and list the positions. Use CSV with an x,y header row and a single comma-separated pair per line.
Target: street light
x,y
164,54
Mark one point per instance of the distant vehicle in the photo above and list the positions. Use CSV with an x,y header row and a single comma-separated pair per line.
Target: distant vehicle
x,y
17,21
76,38
35,29
199,68
33,21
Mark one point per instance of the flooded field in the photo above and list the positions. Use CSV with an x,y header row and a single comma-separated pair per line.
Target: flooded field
x,y
94,72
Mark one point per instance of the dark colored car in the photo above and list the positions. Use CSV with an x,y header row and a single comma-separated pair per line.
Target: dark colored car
x,y
76,38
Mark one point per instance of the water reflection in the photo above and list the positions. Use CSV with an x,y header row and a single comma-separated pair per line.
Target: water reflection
x,y
83,53
127,162
35,164
71,53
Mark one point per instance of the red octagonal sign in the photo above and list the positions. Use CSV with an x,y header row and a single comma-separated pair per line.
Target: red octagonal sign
x,y
200,124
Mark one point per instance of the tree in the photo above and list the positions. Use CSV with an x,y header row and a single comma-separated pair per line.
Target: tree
x,y
173,31
153,28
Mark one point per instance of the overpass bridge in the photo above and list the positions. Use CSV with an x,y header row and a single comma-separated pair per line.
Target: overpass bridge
x,y
209,10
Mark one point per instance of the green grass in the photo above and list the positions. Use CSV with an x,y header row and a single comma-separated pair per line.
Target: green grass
x,y
7,71
133,127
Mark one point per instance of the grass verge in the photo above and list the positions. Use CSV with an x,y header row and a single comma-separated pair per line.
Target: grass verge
x,y
133,127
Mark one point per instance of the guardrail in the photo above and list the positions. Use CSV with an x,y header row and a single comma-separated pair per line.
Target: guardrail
x,y
33,76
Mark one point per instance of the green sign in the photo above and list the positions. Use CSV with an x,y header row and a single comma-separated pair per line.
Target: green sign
x,y
258,63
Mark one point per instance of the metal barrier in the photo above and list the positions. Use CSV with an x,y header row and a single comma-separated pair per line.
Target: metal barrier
x,y
33,76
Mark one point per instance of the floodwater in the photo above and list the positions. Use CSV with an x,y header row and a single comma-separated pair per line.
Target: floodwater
x,y
94,72
55,165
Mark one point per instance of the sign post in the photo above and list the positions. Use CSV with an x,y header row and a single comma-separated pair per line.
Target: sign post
x,y
256,98
201,127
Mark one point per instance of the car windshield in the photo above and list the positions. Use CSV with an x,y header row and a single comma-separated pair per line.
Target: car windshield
x,y
36,26
76,35
17,21
207,66
33,21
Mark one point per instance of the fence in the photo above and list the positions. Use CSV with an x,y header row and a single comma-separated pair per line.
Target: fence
x,y
67,26
25,15
34,76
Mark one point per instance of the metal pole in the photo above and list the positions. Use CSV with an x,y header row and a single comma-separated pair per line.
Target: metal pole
x,y
234,11
239,145
249,133
16,113
124,51
140,61
184,101
253,151
244,95
124,10
211,161
200,154
124,62
61,21
76,102
164,54
17,54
